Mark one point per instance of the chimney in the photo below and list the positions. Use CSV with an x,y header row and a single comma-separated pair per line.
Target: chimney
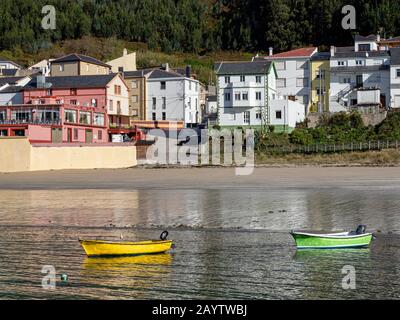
x,y
188,71
125,52
271,51
333,49
378,38
165,66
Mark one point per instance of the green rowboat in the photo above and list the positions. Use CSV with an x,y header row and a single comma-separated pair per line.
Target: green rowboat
x,y
353,239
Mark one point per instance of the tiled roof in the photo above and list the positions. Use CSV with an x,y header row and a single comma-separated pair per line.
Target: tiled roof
x,y
159,74
296,53
80,57
97,81
9,72
321,56
9,80
247,67
371,37
138,73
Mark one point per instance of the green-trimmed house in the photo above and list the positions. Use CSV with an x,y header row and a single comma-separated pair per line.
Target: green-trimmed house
x,y
247,97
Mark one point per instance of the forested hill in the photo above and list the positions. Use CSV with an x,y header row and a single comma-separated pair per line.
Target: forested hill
x,y
195,26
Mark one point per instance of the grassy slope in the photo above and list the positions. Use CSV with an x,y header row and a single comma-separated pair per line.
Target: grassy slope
x,y
111,48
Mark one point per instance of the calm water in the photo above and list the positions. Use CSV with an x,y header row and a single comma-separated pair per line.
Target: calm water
x,y
229,243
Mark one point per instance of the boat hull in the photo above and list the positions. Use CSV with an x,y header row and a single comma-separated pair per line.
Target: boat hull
x,y
307,241
96,248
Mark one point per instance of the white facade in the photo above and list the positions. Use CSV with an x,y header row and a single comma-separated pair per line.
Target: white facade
x,y
173,98
242,97
395,86
352,70
7,64
117,97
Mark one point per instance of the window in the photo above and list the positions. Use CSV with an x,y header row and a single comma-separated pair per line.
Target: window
x,y
227,80
61,67
98,119
190,85
94,103
119,106
278,114
227,96
246,117
258,115
70,116
359,62
163,85
258,95
237,96
345,80
3,115
364,47
76,134
100,135
117,89
49,92
111,105
73,102
397,73
134,84
258,79
320,92
135,98
281,83
154,103
242,78
232,116
340,63
164,116
280,65
154,116
84,117
73,92
164,102
245,96
87,67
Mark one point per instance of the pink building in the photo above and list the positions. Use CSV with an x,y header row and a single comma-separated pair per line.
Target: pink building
x,y
61,109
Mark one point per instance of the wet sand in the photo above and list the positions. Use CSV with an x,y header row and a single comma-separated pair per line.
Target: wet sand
x,y
204,178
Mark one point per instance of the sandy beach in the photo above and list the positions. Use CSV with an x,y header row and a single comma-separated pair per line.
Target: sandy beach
x,y
204,178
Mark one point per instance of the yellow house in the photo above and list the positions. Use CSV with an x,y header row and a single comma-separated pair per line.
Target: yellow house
x,y
320,82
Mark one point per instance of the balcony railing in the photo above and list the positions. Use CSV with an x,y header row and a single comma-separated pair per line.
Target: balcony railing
x,y
31,121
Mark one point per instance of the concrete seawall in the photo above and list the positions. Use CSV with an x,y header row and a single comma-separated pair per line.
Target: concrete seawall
x,y
18,155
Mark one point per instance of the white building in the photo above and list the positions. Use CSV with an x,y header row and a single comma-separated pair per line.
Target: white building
x,y
43,67
11,90
395,77
293,69
353,69
247,96
172,96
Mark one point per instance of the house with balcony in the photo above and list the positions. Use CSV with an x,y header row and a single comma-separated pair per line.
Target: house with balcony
x,y
247,96
358,68
293,70
66,109
78,65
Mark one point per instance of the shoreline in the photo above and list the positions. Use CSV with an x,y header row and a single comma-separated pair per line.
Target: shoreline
x,y
263,177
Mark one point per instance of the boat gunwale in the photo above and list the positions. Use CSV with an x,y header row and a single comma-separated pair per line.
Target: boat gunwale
x,y
339,235
139,243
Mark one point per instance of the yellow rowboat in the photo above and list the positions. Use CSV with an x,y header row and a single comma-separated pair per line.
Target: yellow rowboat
x,y
95,248
101,248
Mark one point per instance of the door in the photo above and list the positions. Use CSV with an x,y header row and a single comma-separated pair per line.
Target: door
x,y
359,81
383,100
69,134
246,117
56,135
88,136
